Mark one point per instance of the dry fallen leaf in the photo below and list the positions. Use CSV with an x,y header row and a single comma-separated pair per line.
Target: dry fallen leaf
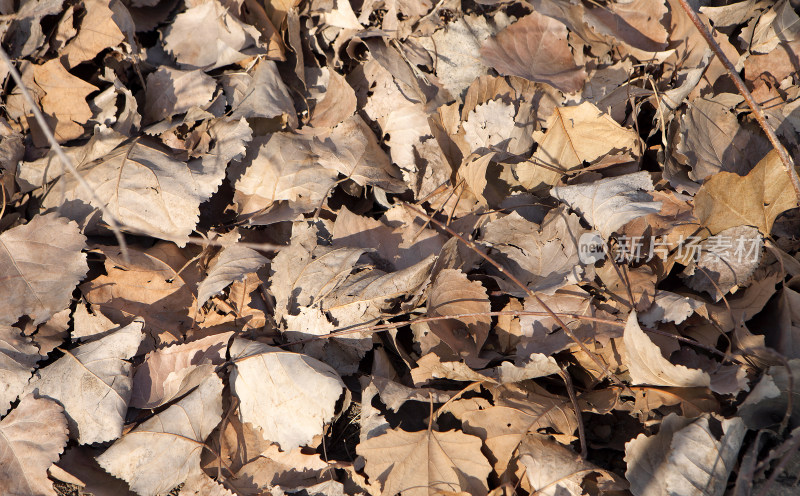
x,y
165,450
41,263
296,401
425,462
101,372
18,355
32,437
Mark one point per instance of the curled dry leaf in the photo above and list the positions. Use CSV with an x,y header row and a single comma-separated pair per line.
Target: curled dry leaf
x,y
41,263
232,264
287,395
31,439
552,469
165,450
187,38
646,365
169,371
575,134
264,96
64,98
172,91
450,294
101,372
609,204
535,48
686,457
424,462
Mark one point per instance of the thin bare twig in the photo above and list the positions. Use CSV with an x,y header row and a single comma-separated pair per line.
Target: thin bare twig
x,y
787,161
472,246
574,400
65,161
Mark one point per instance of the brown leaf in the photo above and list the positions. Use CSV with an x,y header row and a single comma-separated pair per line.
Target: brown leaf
x,y
728,200
41,263
100,29
535,48
452,293
337,104
422,463
172,91
232,264
31,439
64,99
18,356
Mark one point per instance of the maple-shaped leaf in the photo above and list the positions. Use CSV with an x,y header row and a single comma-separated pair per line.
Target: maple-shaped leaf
x,y
41,263
165,450
18,355
288,395
232,263
575,134
31,439
545,257
187,37
426,462
279,178
535,48
609,204
101,372
687,457
728,200
172,91
552,469
450,294
169,371
646,365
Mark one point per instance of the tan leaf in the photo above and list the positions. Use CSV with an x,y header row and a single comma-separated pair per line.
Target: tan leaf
x,y
200,484
99,30
757,199
232,264
64,98
188,37
18,356
264,96
352,150
337,104
31,439
281,171
687,457
610,203
425,462
636,23
544,257
669,307
149,286
553,469
574,135
288,395
172,91
489,126
646,365
164,373
101,372
275,467
535,48
41,263
165,450
147,189
450,294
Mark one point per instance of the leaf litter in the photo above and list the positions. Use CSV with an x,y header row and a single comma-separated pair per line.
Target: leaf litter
x,y
415,247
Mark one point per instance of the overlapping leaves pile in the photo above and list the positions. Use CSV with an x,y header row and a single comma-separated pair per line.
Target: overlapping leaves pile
x,y
286,317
